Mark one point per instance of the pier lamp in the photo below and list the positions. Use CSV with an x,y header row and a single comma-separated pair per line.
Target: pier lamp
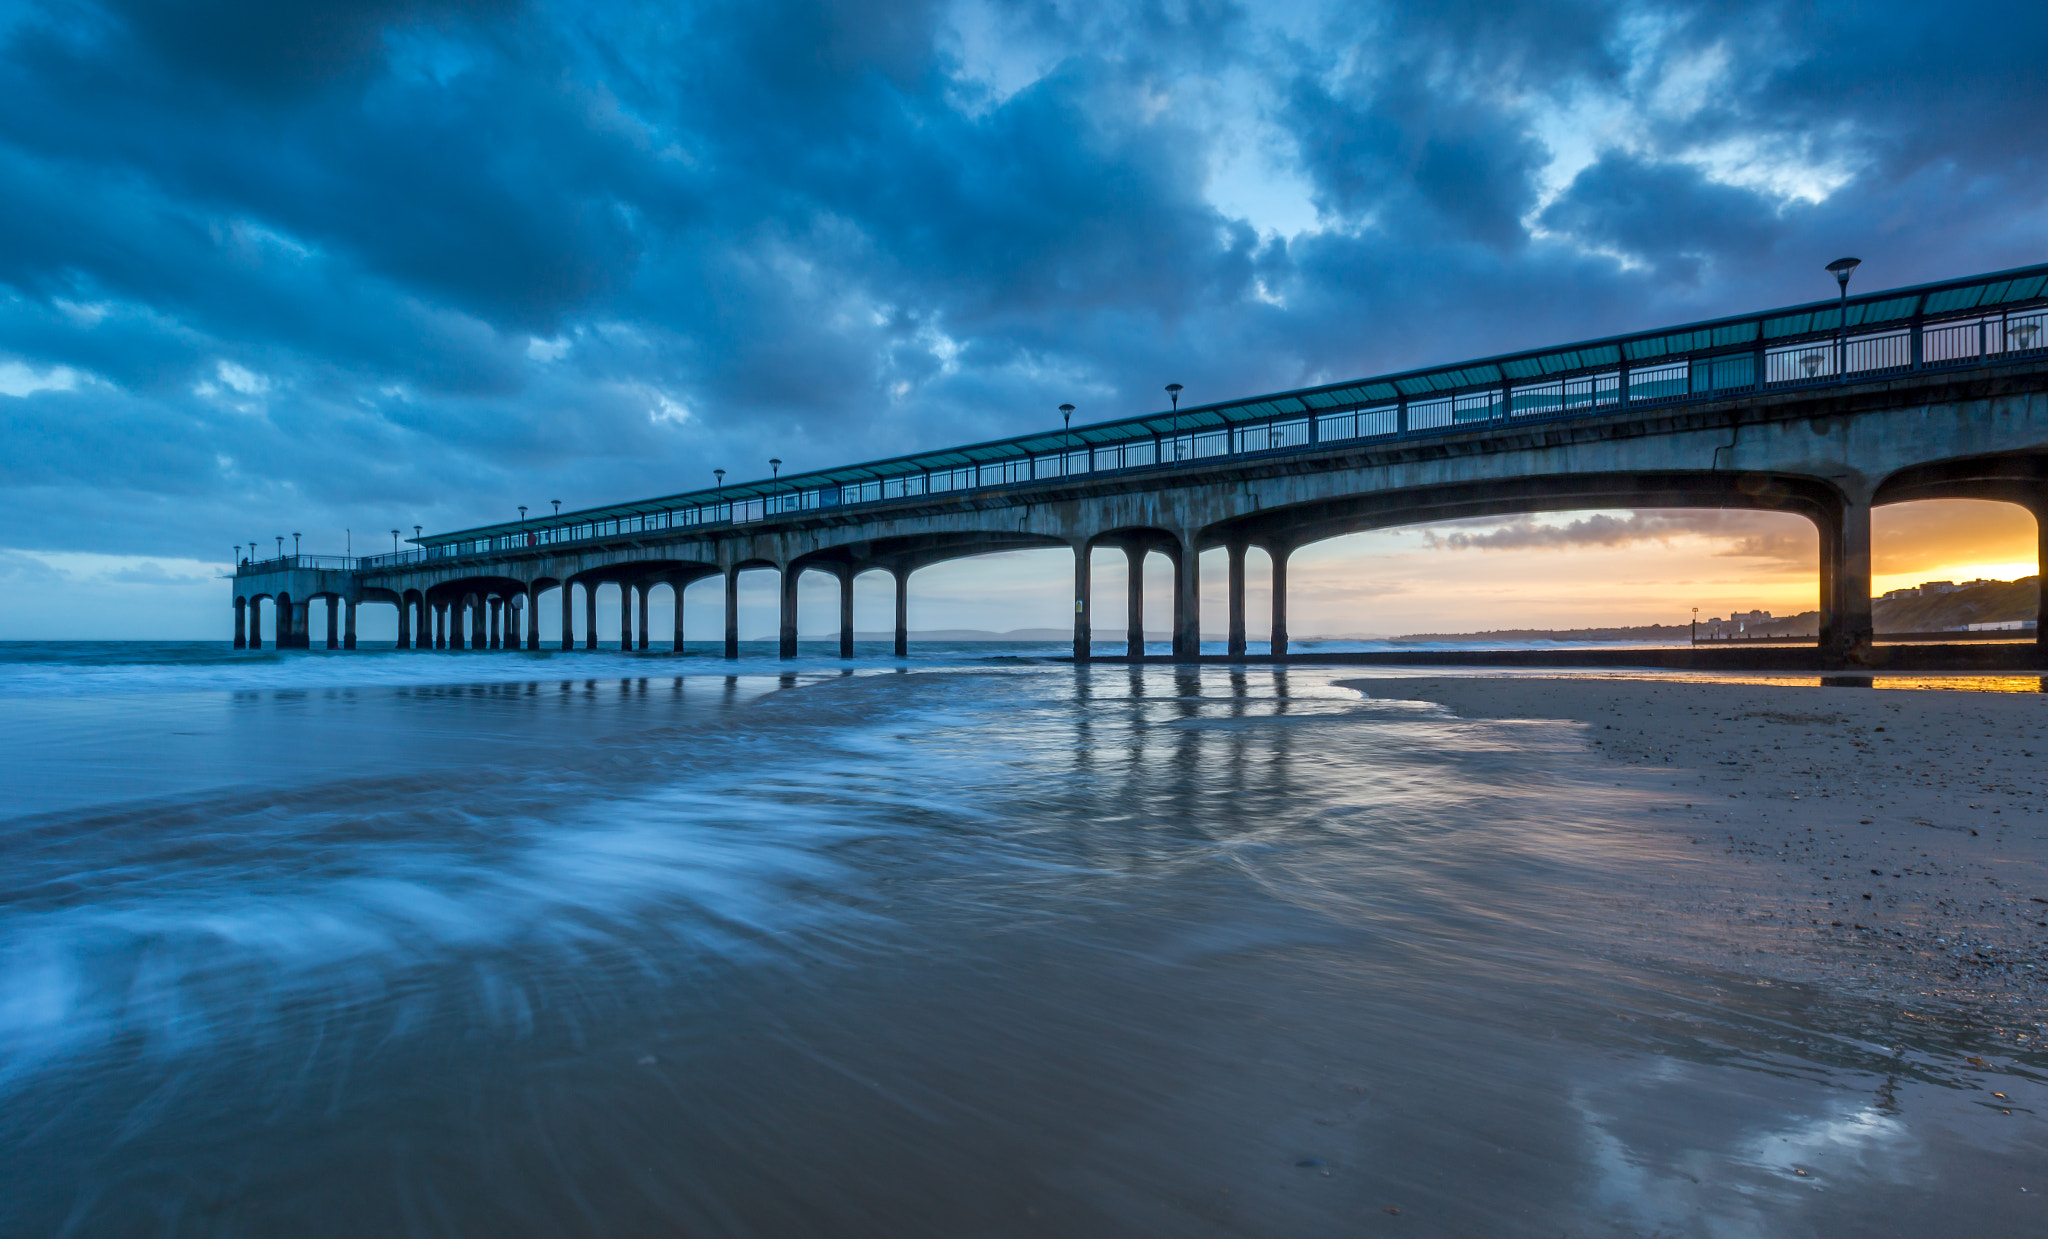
x,y
1842,269
280,546
1695,625
415,531
1067,417
522,514
558,506
295,546
1173,391
720,475
774,472
394,542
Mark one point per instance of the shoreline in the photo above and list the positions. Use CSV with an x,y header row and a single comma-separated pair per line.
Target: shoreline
x,y
1890,845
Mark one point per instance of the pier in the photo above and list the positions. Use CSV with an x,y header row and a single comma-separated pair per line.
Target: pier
x,y
1826,410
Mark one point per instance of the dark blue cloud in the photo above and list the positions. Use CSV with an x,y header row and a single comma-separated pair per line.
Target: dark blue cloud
x,y
378,263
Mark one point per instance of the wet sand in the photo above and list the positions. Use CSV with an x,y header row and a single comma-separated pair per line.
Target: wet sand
x,y
1893,844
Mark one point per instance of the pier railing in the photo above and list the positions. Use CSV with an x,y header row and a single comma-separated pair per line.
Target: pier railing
x,y
1980,321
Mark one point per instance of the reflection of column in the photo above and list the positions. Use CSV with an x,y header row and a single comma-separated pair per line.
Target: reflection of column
x,y
1845,620
1236,551
625,617
333,622
676,586
348,631
404,622
732,612
1084,580
902,575
241,623
1187,602
1279,556
589,614
1134,560
790,577
846,611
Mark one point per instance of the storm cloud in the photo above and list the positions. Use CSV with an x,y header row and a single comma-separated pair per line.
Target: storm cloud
x,y
332,266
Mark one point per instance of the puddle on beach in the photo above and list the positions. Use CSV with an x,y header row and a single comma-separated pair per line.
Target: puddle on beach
x,y
929,951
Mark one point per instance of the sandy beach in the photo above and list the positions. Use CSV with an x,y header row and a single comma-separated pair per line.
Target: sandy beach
x,y
1893,844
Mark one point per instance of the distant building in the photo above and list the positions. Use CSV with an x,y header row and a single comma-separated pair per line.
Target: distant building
x,y
2004,626
1934,589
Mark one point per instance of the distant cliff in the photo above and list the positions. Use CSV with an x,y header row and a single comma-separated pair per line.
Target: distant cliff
x,y
1990,603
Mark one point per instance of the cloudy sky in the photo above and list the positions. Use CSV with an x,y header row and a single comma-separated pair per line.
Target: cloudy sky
x,y
362,264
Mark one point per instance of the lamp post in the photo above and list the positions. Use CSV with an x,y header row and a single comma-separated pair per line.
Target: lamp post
x,y
558,506
394,542
348,543
295,546
720,475
280,546
1173,390
1842,269
1695,625
774,472
1066,436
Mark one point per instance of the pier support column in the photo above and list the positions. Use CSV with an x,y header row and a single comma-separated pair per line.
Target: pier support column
x,y
645,588
255,624
333,622
790,577
568,615
732,612
1236,646
1187,602
902,575
404,622
241,623
281,621
1845,620
625,617
529,614
440,611
1084,591
590,615
479,622
1279,556
1134,559
2040,510
846,610
302,625
458,623
676,586
494,623
348,626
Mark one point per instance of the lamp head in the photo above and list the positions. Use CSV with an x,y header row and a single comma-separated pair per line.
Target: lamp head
x,y
1174,390
775,465
1843,268
720,475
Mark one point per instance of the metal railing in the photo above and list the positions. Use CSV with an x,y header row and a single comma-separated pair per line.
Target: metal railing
x,y
302,563
1935,327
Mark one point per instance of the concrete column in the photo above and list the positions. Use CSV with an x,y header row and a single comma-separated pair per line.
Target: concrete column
x,y
568,615
458,623
281,621
529,606
255,624
333,622
1279,555
348,627
902,576
1134,639
589,615
302,625
625,617
494,623
790,577
1845,621
479,623
241,623
846,611
405,605
676,587
1236,550
444,624
1187,602
1084,582
732,612
2040,510
644,589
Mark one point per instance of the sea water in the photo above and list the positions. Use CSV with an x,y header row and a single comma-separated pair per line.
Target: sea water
x,y
981,943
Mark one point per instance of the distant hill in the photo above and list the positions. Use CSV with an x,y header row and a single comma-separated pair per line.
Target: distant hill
x,y
1990,603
